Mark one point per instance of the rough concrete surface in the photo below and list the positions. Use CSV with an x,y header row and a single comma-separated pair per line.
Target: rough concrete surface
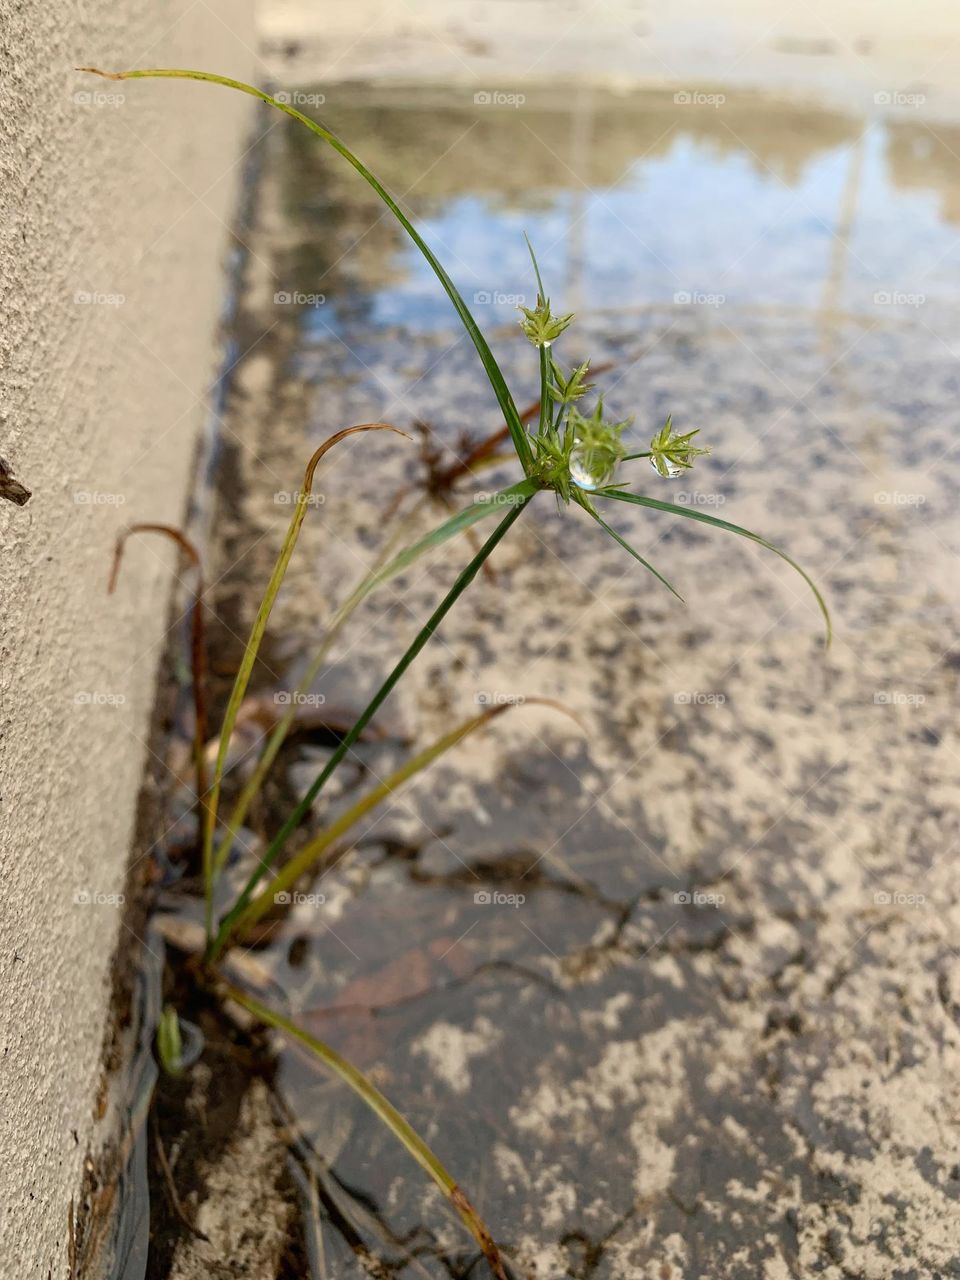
x,y
113,201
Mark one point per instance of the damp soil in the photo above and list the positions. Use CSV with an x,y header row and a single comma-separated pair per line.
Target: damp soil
x,y
678,996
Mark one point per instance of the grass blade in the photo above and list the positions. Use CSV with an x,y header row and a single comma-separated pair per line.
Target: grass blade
x,y
688,513
544,412
457,524
515,494
507,406
252,648
636,555
307,857
387,1112
423,635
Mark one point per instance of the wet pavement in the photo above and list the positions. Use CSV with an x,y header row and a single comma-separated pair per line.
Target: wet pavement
x,y
676,996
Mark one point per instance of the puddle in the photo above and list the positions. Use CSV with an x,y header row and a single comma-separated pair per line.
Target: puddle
x,y
675,998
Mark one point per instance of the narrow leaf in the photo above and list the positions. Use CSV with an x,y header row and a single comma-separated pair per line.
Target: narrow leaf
x,y
423,635
636,555
385,1111
494,374
689,513
450,528
312,853
253,647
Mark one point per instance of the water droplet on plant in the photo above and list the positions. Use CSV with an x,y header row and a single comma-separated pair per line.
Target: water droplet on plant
x,y
590,468
665,468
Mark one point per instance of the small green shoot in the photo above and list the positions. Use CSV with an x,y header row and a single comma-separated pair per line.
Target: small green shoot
x,y
170,1042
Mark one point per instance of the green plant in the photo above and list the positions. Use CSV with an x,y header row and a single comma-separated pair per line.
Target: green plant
x,y
573,454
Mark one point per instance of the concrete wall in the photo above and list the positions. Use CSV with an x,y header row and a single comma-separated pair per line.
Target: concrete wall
x,y
113,213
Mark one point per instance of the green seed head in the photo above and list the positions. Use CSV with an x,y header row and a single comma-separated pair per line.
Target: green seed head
x,y
540,326
596,450
671,454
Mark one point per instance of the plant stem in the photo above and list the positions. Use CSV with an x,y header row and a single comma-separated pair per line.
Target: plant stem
x,y
312,852
252,648
228,924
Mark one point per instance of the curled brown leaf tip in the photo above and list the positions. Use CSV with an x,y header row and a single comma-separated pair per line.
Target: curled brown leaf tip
x,y
107,75
342,435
